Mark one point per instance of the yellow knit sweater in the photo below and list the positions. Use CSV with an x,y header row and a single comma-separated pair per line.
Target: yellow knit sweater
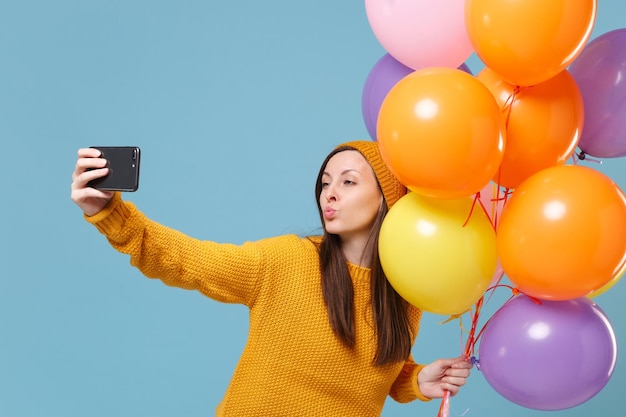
x,y
292,364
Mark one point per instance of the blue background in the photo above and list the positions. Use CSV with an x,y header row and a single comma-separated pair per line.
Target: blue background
x,y
234,105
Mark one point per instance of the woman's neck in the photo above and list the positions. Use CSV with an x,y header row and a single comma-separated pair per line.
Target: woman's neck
x,y
357,251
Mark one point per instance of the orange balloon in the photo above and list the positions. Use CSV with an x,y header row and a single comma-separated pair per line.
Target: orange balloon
x,y
543,124
441,133
529,41
608,285
561,235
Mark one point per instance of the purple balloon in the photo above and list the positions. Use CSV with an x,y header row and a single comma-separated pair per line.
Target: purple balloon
x,y
600,71
465,68
548,355
382,77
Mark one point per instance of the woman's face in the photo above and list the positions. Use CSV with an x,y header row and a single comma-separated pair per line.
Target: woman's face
x,y
350,197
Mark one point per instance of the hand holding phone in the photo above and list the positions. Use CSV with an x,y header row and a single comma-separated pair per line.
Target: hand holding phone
x,y
123,164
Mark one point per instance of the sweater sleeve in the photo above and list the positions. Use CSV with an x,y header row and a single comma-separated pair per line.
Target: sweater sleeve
x,y
405,388
224,272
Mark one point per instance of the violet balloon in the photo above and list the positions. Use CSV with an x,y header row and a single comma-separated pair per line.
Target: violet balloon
x,y
600,72
548,355
382,77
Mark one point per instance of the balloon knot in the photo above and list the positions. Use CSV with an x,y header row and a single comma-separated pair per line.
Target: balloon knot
x,y
474,360
582,156
454,317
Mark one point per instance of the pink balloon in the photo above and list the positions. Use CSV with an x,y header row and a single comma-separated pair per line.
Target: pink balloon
x,y
492,198
497,275
421,33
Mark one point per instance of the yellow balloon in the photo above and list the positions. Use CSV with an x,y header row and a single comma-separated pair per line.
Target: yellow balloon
x,y
432,258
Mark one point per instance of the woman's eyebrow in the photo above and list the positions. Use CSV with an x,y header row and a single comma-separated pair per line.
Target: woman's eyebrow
x,y
344,172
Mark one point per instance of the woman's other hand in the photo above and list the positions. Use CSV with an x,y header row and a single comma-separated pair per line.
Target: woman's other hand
x,y
89,166
443,375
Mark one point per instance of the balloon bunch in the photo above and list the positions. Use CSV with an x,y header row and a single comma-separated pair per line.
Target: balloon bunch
x,y
491,193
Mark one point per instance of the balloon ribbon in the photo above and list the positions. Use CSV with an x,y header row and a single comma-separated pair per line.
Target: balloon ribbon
x,y
444,408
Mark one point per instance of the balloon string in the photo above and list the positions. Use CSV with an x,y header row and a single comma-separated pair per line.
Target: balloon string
x,y
494,205
507,108
495,200
514,293
473,338
506,193
501,200
469,215
498,184
444,408
508,104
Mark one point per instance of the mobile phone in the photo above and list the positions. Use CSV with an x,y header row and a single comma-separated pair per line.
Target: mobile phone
x,y
123,164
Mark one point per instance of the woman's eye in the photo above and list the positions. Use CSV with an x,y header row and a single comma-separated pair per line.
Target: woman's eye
x,y
349,182
324,184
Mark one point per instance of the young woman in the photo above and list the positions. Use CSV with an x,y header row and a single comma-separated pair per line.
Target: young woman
x,y
328,335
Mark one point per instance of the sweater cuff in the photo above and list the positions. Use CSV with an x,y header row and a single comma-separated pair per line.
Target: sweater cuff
x,y
406,389
418,393
111,218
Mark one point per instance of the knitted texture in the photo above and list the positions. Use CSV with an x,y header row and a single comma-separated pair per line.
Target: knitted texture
x,y
292,364
391,187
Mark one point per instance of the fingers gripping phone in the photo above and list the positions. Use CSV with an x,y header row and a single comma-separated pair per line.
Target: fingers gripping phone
x,y
123,164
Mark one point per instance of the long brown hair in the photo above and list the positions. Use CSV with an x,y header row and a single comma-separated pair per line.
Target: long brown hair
x,y
389,309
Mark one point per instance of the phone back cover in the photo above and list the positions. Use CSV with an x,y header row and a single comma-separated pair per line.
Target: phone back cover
x,y
123,164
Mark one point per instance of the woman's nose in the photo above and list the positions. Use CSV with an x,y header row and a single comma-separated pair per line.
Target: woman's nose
x,y
330,194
